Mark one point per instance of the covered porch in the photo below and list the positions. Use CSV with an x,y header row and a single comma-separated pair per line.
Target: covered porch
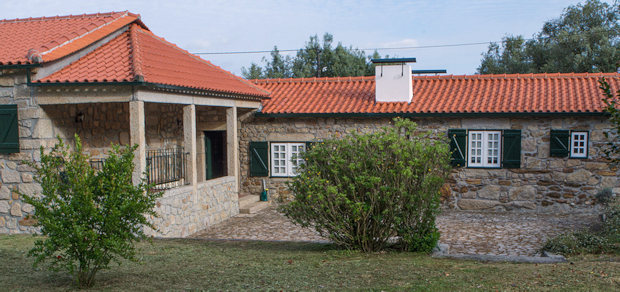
x,y
187,144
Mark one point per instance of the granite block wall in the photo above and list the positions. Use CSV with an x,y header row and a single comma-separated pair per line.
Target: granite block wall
x,y
543,183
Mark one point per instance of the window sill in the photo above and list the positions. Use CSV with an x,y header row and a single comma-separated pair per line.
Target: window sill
x,y
572,157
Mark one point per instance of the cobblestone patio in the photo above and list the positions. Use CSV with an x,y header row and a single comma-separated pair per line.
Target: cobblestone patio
x,y
514,234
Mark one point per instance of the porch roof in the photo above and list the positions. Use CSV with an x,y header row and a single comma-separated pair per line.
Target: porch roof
x,y
138,55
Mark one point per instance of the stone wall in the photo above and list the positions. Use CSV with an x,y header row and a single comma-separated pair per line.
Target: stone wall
x,y
163,125
181,213
98,125
542,183
14,175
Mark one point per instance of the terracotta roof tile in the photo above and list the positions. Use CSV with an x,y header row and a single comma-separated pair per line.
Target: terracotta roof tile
x,y
138,54
502,93
52,38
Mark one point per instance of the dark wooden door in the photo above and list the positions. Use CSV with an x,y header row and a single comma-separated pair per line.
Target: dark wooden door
x,y
215,154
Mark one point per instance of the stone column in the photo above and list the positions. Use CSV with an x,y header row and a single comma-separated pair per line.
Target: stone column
x,y
189,137
137,136
200,155
232,144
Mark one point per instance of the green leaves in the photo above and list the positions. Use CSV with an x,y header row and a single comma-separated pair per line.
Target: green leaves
x,y
612,151
88,218
585,38
316,59
363,189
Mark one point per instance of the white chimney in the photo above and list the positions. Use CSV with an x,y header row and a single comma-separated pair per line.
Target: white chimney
x,y
393,80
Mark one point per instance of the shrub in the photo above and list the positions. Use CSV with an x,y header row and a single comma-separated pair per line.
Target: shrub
x,y
612,107
605,240
364,189
580,242
611,222
88,218
604,196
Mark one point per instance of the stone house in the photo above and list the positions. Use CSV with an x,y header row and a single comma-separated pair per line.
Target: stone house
x,y
519,141
108,78
205,136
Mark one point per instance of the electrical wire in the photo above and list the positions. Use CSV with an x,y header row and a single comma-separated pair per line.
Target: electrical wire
x,y
383,48
368,49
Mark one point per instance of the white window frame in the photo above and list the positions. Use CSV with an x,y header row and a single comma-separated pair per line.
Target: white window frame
x,y
487,153
579,150
285,158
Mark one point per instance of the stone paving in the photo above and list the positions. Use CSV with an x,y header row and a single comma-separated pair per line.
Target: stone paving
x,y
507,233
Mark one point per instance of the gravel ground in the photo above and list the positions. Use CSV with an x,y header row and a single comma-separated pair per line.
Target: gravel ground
x,y
488,233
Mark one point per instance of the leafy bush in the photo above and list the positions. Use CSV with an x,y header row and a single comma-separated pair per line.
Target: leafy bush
x,y
364,189
605,240
580,242
611,222
612,103
88,218
604,196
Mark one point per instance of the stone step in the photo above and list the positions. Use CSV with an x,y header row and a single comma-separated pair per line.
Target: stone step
x,y
253,207
247,200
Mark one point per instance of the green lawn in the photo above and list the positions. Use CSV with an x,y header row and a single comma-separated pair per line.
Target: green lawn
x,y
210,265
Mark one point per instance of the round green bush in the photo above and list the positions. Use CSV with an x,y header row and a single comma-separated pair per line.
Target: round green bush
x,y
371,191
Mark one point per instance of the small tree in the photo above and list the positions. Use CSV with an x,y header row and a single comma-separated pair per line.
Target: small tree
x,y
364,189
88,218
612,102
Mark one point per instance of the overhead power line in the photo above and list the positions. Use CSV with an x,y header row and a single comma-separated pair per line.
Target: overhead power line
x,y
368,49
388,48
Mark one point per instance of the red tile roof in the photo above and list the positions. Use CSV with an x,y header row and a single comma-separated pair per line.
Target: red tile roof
x,y
139,55
51,38
508,93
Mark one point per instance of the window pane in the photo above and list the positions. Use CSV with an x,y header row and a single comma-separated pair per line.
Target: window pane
x,y
579,144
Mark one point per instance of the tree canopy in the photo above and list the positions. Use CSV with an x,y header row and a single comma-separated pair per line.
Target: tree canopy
x,y
316,59
585,38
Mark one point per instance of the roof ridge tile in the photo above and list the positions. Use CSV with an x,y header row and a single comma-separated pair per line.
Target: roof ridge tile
x,y
136,55
61,17
126,13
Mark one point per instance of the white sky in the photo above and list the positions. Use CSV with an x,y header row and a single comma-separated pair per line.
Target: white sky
x,y
247,25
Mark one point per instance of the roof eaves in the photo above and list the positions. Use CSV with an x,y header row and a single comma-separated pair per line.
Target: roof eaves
x,y
199,91
20,66
156,86
428,115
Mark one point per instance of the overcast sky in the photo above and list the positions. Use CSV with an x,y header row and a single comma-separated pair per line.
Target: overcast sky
x,y
231,25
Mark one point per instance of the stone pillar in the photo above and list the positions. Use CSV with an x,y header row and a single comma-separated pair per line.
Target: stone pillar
x,y
232,144
137,136
200,156
189,138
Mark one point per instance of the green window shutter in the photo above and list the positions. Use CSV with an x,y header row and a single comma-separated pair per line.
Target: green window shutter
x,y
559,143
512,149
458,146
259,159
9,134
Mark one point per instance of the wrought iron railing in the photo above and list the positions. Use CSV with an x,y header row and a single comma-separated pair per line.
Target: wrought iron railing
x,y
167,168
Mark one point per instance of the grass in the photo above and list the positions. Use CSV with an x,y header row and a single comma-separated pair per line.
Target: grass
x,y
176,265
